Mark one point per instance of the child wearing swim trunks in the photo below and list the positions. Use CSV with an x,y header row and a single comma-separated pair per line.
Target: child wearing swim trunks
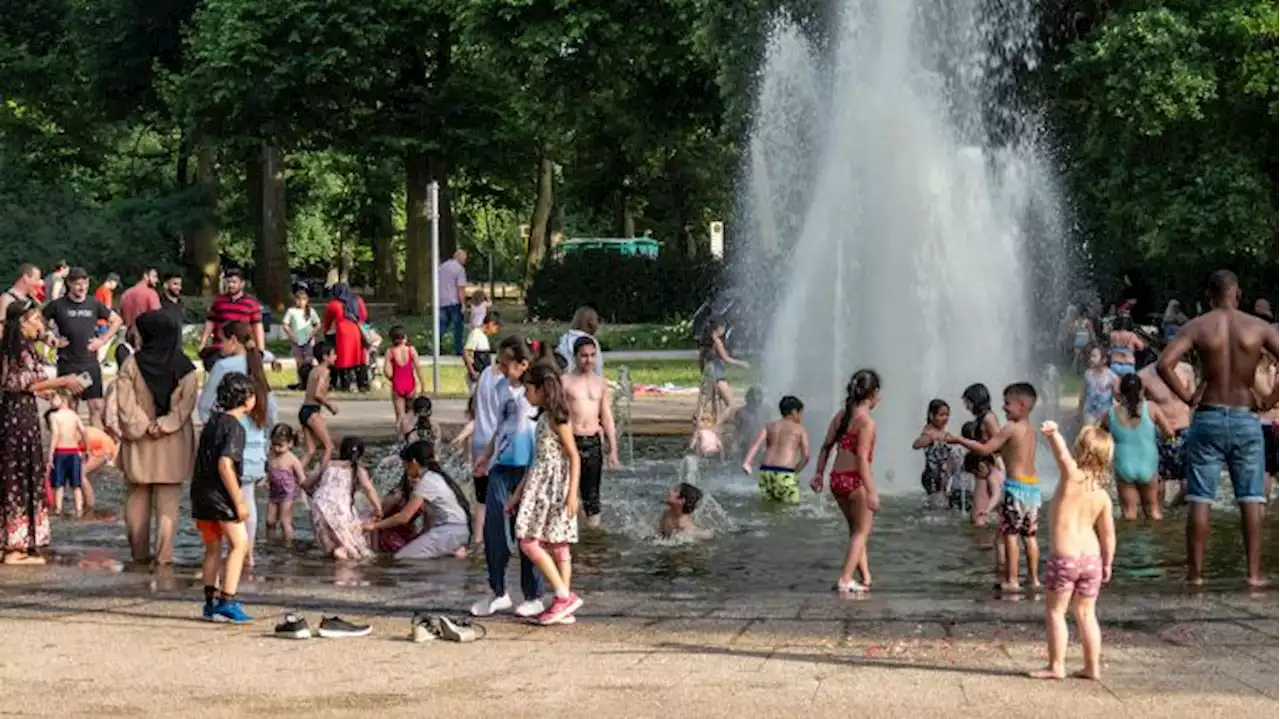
x,y
285,474
939,462
852,433
786,453
66,448
1020,500
1083,539
311,423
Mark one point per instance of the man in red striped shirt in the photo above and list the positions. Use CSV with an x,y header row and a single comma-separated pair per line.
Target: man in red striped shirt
x,y
235,306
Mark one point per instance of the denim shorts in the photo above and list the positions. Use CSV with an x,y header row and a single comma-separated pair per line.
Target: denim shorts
x,y
1227,435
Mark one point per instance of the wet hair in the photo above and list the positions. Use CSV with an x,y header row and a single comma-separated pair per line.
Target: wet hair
x,y
1131,394
583,341
790,404
546,377
322,349
283,434
936,406
1124,322
979,398
862,385
422,428
243,333
423,454
707,343
398,333
755,397
1022,390
234,391
1093,452
1220,282
691,496
973,461
971,430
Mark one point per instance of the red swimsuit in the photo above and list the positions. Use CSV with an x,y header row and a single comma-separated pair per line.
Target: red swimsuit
x,y
845,482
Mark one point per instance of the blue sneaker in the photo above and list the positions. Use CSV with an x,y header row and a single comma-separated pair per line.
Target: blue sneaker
x,y
231,611
209,610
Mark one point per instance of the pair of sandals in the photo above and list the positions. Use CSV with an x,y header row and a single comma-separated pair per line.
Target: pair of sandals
x,y
430,627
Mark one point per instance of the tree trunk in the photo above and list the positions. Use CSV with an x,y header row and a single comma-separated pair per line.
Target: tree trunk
x,y
182,179
675,183
382,229
448,233
271,273
539,227
419,275
204,249
624,221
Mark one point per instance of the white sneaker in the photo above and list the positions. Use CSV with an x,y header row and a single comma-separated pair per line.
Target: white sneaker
x,y
491,605
530,608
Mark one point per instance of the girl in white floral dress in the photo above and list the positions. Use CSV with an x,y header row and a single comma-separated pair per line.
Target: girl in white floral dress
x,y
547,521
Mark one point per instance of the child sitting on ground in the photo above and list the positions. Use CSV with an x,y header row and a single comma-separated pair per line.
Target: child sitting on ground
x,y
677,515
66,443
1020,501
786,453
1084,544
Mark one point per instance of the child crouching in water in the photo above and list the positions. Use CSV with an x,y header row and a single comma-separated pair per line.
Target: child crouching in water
x,y
338,530
677,516
547,518
1084,545
217,504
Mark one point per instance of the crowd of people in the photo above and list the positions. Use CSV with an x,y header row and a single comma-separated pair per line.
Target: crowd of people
x,y
541,433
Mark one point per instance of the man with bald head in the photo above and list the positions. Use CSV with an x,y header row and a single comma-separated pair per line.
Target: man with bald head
x,y
1224,429
451,296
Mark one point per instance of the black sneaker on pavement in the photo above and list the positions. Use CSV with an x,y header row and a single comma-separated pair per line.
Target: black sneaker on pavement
x,y
293,627
335,627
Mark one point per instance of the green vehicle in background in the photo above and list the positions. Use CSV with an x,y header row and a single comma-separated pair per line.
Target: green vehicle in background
x,y
625,246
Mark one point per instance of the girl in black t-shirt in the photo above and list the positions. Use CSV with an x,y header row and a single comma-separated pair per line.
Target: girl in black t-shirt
x,y
216,502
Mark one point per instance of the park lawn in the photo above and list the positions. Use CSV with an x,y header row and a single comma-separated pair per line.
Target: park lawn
x,y
680,373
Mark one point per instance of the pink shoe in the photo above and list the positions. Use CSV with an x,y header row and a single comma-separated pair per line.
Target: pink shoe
x,y
561,608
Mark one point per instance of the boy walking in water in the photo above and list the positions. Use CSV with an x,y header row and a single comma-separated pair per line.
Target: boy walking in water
x,y
314,430
591,416
1020,500
67,441
786,453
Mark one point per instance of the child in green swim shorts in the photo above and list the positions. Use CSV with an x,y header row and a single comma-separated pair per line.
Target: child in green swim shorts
x,y
786,453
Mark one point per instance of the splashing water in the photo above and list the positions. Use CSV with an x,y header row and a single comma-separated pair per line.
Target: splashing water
x,y
917,222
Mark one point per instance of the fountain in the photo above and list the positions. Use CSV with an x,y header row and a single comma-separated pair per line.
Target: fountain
x,y
928,232
623,396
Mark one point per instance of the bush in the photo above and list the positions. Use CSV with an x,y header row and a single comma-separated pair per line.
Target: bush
x,y
623,289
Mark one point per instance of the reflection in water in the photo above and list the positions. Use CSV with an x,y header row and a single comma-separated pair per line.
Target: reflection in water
x,y
753,547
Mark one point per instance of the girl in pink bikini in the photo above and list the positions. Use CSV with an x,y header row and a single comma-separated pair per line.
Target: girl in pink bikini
x,y
854,433
402,368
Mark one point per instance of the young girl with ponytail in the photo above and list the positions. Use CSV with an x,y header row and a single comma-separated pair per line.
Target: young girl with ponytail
x,y
852,433
1133,423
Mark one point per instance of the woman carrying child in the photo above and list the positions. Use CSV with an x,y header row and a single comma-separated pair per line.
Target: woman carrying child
x,y
852,433
547,519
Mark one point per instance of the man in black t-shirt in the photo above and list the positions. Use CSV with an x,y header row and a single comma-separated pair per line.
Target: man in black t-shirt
x,y
76,316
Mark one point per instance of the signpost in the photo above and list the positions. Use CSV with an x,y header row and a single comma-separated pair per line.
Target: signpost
x,y
717,240
433,200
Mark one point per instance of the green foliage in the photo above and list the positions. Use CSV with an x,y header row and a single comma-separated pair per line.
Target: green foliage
x,y
622,289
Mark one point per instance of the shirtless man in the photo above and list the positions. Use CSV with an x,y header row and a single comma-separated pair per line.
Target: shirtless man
x,y
786,453
1176,413
1230,344
590,411
1020,502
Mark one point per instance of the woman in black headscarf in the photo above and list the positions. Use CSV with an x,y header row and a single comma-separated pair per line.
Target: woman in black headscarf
x,y
156,394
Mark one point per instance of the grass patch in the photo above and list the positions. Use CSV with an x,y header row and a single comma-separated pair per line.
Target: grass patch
x,y
681,373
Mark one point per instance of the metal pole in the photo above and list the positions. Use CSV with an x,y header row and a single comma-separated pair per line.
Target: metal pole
x,y
433,197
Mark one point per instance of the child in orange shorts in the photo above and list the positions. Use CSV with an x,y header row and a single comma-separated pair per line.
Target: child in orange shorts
x,y
217,504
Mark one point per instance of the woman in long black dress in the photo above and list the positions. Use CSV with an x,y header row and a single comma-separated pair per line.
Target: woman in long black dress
x,y
24,515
